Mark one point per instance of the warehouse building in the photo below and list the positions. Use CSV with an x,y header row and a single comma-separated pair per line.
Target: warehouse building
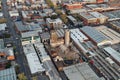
x,y
20,27
78,38
115,25
113,53
98,38
51,71
8,74
76,33
93,18
80,71
97,7
30,37
112,35
112,15
33,61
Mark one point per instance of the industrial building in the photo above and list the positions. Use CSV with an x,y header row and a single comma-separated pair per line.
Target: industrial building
x,y
95,1
30,37
115,25
72,20
60,32
20,27
80,71
99,7
54,23
112,35
8,74
70,6
112,15
45,37
78,38
77,34
55,40
33,61
50,70
113,53
98,38
93,18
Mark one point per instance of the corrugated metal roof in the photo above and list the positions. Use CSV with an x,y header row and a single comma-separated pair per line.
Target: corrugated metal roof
x,y
8,74
32,58
113,53
94,34
80,71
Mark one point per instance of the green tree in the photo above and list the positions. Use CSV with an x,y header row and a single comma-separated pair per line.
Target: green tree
x,y
54,16
8,65
3,20
34,78
58,12
50,3
64,18
22,76
17,68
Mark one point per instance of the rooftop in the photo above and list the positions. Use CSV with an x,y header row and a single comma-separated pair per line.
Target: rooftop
x,y
80,71
112,35
94,34
32,58
113,53
8,74
2,26
75,33
28,27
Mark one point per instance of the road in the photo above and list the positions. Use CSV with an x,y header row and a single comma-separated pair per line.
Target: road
x,y
20,57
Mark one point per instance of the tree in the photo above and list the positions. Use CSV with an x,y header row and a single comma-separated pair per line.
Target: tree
x,y
3,20
22,76
34,78
54,16
49,2
8,65
64,18
58,12
17,68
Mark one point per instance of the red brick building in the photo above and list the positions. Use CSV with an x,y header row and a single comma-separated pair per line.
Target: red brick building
x,y
73,6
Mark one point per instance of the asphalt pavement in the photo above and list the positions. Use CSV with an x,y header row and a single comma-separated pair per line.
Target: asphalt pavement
x,y
20,57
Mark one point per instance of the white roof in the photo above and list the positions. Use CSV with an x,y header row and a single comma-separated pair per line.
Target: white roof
x,y
1,14
113,53
42,51
13,13
32,58
2,26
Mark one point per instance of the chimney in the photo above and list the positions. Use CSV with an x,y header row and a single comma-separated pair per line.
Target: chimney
x,y
67,37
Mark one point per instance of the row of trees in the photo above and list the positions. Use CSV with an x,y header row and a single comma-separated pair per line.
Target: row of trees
x,y
50,3
62,16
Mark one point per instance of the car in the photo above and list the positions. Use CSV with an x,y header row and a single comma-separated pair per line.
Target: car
x,y
16,37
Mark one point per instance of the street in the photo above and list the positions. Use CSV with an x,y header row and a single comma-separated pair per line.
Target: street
x,y
20,57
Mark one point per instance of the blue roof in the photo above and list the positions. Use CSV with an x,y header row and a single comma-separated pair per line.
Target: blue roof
x,y
94,34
